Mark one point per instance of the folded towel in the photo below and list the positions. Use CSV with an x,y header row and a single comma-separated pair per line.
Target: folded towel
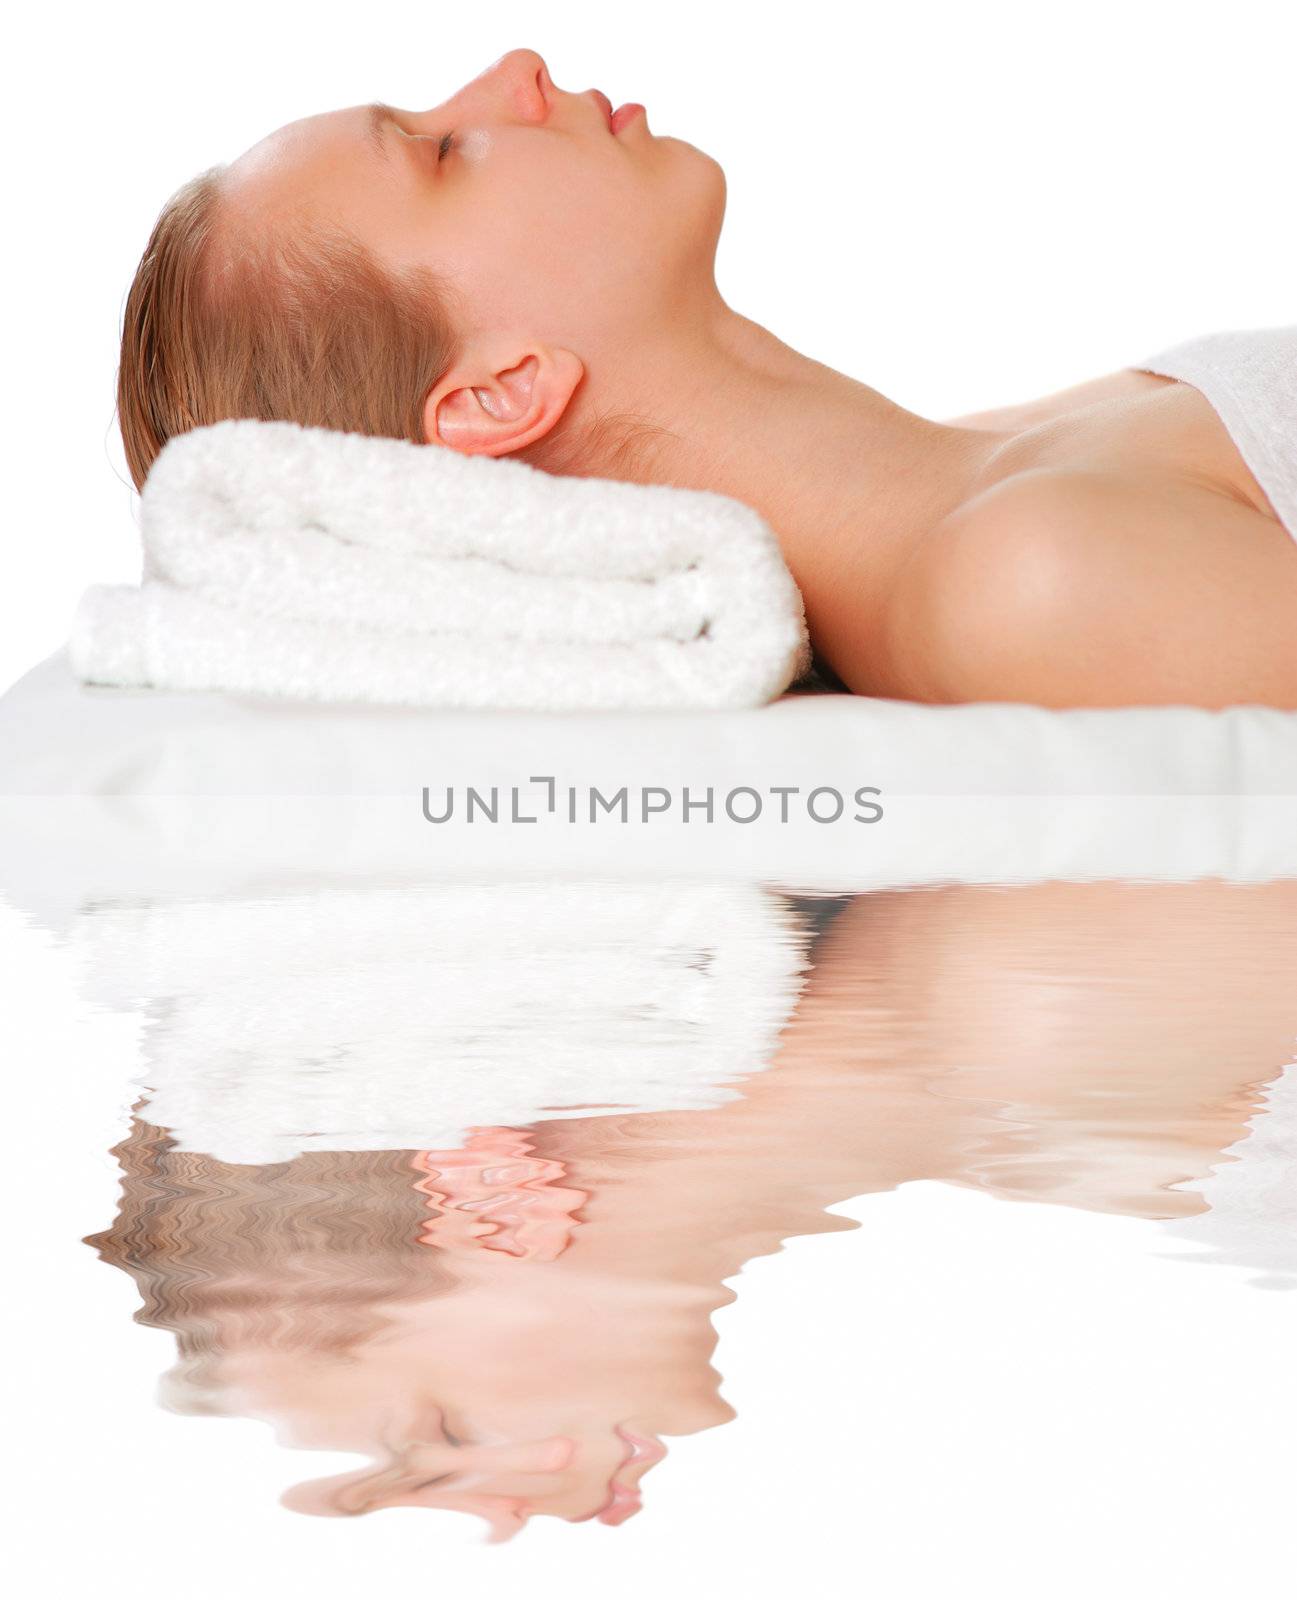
x,y
322,565
401,1017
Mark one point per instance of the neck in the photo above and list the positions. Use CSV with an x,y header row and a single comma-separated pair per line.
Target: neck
x,y
848,481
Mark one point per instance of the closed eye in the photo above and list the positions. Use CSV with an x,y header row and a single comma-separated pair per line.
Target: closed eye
x,y
444,145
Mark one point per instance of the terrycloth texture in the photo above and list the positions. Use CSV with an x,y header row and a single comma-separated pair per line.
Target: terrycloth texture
x,y
321,565
398,1018
1250,377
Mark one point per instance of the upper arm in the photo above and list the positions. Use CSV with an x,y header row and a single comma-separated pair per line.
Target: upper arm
x,y
1080,589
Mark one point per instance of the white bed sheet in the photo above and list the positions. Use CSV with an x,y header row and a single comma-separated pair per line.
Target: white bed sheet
x,y
58,736
108,793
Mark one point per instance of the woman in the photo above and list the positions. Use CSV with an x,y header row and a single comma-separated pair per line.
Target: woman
x,y
519,272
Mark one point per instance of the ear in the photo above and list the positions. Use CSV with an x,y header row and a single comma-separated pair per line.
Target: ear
x,y
483,408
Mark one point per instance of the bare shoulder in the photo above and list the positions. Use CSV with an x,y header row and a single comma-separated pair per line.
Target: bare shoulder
x,y
1127,384
1067,587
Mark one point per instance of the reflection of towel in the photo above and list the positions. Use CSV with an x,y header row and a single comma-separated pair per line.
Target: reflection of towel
x,y
1252,1193
1250,377
322,565
393,1019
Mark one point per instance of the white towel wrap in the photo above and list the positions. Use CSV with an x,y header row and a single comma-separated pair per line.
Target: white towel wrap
x,y
1251,1193
1250,378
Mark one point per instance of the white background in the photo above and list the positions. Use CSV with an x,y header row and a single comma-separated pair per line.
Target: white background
x,y
960,204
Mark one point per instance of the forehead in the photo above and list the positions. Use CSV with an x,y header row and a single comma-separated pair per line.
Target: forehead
x,y
329,148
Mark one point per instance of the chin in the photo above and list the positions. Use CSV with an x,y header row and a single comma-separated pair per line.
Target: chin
x,y
698,197
704,169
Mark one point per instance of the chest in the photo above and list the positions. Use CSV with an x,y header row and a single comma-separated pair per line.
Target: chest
x,y
1171,437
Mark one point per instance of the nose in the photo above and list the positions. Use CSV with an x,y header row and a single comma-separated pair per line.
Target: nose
x,y
521,80
523,65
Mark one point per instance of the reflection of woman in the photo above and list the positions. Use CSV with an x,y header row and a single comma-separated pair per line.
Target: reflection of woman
x,y
1092,1044
516,272
478,1379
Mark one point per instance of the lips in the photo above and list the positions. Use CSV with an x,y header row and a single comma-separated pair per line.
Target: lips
x,y
625,1499
618,119
626,114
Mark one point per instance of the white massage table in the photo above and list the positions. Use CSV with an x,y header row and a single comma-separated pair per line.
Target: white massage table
x,y
114,792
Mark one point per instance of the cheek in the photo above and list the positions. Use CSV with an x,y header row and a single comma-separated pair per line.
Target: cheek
x,y
570,240
571,215
528,253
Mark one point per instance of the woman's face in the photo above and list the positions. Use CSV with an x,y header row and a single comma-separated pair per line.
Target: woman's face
x,y
545,221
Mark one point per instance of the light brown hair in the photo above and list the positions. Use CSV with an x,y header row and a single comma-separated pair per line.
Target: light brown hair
x,y
305,1253
293,324
298,323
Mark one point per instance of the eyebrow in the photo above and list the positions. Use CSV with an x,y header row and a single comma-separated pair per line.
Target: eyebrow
x,y
377,116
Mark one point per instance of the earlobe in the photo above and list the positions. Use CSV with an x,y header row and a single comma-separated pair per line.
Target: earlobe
x,y
482,407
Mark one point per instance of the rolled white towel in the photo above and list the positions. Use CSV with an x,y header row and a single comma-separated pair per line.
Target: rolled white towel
x,y
323,565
